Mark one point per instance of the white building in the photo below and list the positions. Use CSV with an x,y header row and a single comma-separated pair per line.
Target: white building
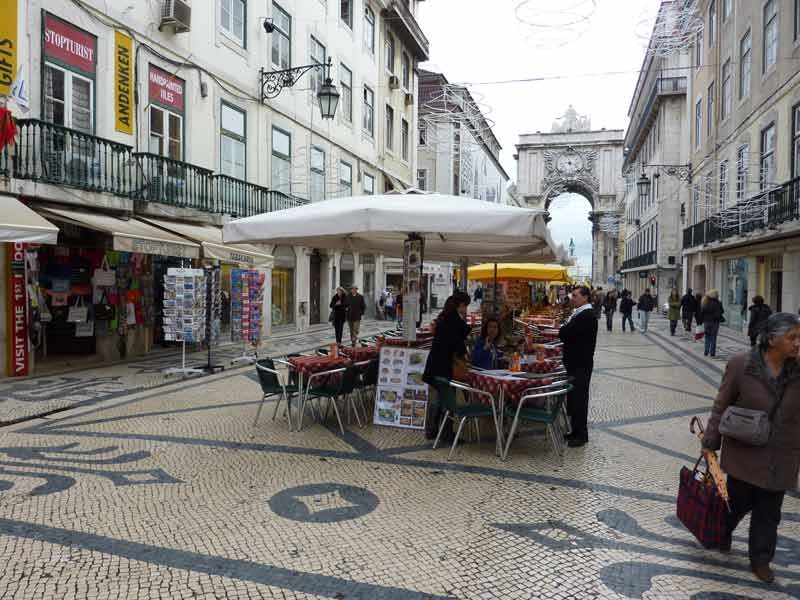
x,y
135,114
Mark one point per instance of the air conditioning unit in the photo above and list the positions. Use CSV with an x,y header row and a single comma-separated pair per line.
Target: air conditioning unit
x,y
176,14
394,82
409,99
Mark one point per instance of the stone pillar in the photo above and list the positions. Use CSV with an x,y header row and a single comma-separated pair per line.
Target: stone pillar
x,y
301,288
790,301
598,250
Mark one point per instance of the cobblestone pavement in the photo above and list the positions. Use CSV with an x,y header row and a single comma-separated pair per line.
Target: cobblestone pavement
x,y
170,492
40,395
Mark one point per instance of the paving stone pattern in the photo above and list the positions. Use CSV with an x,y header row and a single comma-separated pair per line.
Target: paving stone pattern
x,y
169,491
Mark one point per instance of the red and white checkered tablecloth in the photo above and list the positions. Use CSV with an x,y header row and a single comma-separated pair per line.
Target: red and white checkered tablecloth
x,y
307,365
512,388
361,353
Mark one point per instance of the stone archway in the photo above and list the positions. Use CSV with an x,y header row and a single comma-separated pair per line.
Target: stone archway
x,y
582,161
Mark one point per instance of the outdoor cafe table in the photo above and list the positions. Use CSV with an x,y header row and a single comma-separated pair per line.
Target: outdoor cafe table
x,y
305,366
361,353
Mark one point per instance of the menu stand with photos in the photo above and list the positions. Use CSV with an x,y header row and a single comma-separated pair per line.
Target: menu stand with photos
x,y
184,312
247,301
401,395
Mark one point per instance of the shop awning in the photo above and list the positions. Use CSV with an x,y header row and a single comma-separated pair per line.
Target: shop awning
x,y
527,271
210,239
129,235
18,223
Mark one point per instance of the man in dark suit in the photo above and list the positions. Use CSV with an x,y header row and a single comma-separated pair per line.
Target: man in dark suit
x,y
579,335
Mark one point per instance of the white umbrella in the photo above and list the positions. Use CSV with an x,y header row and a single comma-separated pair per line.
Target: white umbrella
x,y
453,227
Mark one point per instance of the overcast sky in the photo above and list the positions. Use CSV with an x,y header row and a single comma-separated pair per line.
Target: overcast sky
x,y
479,41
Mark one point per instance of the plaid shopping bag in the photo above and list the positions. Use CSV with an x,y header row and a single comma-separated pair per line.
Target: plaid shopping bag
x,y
701,508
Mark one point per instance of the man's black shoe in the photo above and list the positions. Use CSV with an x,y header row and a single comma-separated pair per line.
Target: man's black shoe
x,y
576,442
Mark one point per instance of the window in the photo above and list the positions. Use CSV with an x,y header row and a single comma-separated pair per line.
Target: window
x,y
727,90
166,133
698,50
727,6
422,179
422,129
767,164
710,110
281,38
404,138
770,34
698,122
346,80
369,111
345,179
742,171
406,67
369,30
318,57
369,184
281,161
317,191
745,64
232,18
346,12
389,52
796,142
389,128
723,184
68,99
712,23
232,141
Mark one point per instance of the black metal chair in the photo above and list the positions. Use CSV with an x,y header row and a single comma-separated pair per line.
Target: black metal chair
x,y
272,385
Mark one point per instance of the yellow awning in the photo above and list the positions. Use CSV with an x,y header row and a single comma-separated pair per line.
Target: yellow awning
x,y
18,223
526,271
210,239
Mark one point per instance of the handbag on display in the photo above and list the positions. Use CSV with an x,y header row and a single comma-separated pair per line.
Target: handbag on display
x,y
701,507
104,310
78,313
105,275
85,329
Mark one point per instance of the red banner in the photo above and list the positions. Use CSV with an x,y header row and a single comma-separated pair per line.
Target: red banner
x,y
69,45
18,355
165,89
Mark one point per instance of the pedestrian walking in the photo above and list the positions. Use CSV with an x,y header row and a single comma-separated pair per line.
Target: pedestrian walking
x,y
382,306
477,296
645,307
765,379
450,331
355,310
759,313
610,307
579,335
688,309
338,314
598,299
398,308
673,310
626,309
712,314
389,304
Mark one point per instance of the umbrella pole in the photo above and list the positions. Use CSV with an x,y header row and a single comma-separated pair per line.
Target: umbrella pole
x,y
463,267
494,292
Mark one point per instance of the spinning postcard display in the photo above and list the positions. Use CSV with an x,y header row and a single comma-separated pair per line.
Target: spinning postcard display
x,y
185,305
247,301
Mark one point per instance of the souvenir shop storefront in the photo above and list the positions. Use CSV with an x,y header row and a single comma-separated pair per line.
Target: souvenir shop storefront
x,y
97,296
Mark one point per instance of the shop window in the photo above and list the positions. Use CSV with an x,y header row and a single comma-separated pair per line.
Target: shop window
x,y
232,19
232,141
281,161
317,174
281,38
68,99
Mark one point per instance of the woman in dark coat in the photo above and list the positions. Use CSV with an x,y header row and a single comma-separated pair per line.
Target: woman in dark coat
x,y
759,313
766,378
711,312
449,340
688,310
339,312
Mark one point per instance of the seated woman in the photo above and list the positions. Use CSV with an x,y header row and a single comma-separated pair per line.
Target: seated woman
x,y
485,354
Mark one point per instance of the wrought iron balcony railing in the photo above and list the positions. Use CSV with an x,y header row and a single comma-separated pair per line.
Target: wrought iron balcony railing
x,y
643,260
242,199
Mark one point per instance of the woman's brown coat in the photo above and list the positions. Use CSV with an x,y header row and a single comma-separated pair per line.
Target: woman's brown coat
x,y
745,383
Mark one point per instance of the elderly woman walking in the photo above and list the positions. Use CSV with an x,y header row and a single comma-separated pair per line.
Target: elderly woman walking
x,y
765,379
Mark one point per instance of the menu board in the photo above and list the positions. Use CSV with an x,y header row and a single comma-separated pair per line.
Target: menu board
x,y
184,305
401,396
247,301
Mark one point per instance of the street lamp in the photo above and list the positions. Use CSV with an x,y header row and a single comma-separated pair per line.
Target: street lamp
x,y
643,186
273,83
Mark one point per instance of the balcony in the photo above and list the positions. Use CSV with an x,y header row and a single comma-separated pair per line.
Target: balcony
x,y
781,205
643,260
51,154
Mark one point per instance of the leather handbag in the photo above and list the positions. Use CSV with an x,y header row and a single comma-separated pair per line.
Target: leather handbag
x,y
748,425
460,368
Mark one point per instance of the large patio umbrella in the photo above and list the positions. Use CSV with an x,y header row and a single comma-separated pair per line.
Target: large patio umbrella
x,y
453,227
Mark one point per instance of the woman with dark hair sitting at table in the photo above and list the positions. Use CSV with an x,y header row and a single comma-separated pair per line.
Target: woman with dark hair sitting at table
x,y
486,353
